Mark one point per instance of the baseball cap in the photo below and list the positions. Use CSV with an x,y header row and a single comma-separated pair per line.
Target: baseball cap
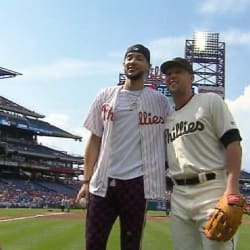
x,y
140,49
177,62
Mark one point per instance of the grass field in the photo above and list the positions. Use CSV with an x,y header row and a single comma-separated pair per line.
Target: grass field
x,y
67,233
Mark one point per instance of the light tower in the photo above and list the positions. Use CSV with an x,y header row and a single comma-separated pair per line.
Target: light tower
x,y
207,55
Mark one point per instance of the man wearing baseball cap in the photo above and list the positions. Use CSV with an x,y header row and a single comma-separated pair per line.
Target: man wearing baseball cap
x,y
177,62
204,158
124,157
139,49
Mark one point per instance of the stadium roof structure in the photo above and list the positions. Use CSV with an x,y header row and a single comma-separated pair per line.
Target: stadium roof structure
x,y
46,129
6,73
34,126
245,175
6,104
42,151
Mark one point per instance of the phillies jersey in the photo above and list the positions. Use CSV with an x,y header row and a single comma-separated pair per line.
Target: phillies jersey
x,y
208,118
152,111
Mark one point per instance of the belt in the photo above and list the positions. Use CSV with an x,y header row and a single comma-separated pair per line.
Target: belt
x,y
200,178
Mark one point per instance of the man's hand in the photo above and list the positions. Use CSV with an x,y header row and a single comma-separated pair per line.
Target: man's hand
x,y
83,192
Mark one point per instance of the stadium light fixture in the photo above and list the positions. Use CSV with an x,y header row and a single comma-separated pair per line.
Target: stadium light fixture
x,y
206,43
199,41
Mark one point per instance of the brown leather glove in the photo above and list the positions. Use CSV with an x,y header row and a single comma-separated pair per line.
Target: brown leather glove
x,y
226,218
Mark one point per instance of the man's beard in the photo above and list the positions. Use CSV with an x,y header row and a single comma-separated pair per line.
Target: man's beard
x,y
137,76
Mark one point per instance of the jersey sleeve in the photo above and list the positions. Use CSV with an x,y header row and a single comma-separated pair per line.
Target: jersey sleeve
x,y
94,122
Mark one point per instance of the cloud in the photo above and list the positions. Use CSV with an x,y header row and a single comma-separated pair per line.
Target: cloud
x,y
161,49
240,108
70,67
165,48
59,120
236,37
223,6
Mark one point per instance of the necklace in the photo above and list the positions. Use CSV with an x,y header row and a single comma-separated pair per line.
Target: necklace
x,y
133,99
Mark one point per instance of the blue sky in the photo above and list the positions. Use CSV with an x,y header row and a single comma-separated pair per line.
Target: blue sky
x,y
68,50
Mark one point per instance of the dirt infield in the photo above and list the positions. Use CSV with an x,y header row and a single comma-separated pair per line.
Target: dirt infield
x,y
78,216
73,216
149,217
70,216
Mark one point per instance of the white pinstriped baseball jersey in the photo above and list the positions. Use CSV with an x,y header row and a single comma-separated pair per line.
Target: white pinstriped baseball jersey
x,y
207,117
153,109
126,149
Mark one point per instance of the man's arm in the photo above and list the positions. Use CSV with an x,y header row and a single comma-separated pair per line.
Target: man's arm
x,y
91,156
233,163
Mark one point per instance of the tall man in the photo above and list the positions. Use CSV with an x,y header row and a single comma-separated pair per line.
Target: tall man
x,y
124,156
204,157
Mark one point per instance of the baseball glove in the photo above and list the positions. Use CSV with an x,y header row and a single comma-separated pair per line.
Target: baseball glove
x,y
226,218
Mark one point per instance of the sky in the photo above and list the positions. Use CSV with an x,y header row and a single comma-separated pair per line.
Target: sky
x,y
68,50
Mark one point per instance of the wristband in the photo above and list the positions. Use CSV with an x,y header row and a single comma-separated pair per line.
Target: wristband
x,y
85,181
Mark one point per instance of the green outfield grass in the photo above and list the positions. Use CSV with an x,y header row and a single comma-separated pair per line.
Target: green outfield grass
x,y
68,234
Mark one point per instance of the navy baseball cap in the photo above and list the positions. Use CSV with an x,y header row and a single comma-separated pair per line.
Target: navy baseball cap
x,y
140,49
177,62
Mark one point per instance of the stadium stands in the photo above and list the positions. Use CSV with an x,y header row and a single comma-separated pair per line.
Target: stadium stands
x,y
20,192
32,174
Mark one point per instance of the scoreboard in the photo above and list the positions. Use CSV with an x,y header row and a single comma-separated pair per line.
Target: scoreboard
x,y
159,87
